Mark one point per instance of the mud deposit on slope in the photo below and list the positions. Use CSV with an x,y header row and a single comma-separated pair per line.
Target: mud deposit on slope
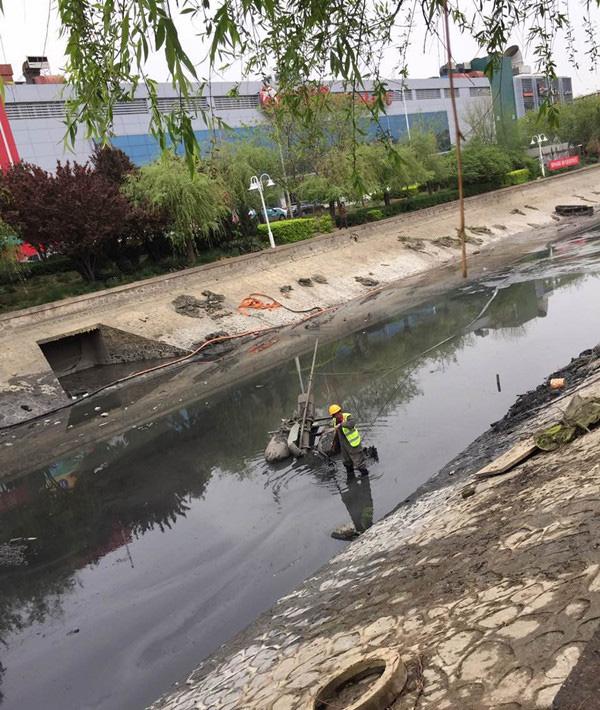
x,y
502,434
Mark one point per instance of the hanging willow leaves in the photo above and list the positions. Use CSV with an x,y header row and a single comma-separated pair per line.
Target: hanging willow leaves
x,y
299,42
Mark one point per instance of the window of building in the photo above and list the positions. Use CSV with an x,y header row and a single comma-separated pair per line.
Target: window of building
x,y
425,94
543,90
480,91
35,109
397,94
233,103
527,87
127,108
448,93
196,104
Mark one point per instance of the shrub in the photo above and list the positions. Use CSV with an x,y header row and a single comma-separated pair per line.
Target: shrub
x,y
289,231
516,177
374,215
483,163
418,202
324,223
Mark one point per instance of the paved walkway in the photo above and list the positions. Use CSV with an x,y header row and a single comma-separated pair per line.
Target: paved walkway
x,y
490,600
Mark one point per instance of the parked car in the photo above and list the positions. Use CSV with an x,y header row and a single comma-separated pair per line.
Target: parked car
x,y
276,213
305,209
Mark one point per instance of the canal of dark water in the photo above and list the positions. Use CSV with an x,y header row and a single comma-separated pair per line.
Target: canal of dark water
x,y
155,546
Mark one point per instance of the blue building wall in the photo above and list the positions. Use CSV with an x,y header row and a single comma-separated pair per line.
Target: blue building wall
x,y
144,148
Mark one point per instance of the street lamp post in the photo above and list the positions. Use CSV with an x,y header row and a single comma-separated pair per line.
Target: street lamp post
x,y
256,183
539,139
405,110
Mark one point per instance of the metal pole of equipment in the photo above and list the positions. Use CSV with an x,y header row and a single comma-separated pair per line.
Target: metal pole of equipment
x,y
297,359
308,390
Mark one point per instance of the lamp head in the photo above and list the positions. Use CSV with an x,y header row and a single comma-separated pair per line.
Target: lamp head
x,y
270,183
254,183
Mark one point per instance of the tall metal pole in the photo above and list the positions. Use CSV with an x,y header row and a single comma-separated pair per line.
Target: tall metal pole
x,y
288,199
539,142
458,136
262,199
405,112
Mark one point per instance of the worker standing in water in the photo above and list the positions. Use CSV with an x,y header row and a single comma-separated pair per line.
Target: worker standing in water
x,y
349,440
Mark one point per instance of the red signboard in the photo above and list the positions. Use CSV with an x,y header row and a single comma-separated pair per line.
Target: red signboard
x,y
560,163
8,148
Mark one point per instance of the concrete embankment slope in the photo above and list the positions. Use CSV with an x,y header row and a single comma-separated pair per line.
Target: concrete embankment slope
x,y
491,601
139,321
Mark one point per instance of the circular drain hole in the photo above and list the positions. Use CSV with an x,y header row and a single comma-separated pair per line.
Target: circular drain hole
x,y
369,684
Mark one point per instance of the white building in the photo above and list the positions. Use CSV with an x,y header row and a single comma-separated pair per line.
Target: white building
x,y
36,114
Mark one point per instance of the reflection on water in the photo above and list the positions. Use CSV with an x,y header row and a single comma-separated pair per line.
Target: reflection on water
x,y
359,501
161,542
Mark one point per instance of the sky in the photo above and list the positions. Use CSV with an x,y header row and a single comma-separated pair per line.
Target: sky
x,y
25,29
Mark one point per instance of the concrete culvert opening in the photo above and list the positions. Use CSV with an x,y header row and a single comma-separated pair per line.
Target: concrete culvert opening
x,y
98,355
368,684
72,353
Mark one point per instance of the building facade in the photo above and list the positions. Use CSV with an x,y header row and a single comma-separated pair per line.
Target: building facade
x,y
36,113
515,90
531,90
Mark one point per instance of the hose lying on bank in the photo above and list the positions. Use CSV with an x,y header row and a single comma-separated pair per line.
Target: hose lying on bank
x,y
253,301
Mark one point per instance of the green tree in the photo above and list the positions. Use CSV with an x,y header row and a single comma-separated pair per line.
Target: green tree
x,y
478,121
483,164
306,125
235,163
193,202
578,124
394,169
9,245
340,174
424,146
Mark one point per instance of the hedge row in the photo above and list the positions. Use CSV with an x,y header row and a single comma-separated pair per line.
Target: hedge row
x,y
517,177
288,231
410,204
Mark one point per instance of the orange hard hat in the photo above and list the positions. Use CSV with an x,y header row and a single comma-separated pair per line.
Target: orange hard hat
x,y
334,409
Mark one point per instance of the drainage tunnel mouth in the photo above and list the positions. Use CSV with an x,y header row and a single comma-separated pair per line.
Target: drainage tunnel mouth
x,y
75,352
87,359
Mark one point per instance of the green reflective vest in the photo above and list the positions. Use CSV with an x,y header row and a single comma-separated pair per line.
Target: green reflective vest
x,y
352,435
